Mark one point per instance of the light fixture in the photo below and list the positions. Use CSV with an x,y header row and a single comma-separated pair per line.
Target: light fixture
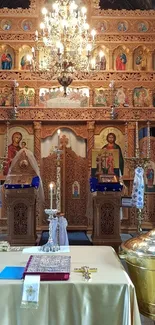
x,y
67,43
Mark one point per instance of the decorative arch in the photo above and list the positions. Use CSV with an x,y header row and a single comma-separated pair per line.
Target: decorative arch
x,y
6,96
141,97
101,57
75,141
120,58
140,58
25,57
7,57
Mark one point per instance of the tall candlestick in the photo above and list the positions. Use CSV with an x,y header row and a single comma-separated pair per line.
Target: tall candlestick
x,y
137,141
148,140
51,196
126,140
58,138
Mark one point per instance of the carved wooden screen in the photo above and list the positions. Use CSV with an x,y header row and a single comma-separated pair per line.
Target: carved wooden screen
x,y
73,169
76,170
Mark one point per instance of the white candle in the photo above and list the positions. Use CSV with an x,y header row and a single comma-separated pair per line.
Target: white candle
x,y
51,196
58,138
126,140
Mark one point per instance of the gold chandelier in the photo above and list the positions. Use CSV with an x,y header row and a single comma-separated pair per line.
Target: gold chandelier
x,y
68,43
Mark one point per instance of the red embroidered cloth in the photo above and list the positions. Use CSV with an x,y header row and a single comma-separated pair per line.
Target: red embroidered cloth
x,y
49,267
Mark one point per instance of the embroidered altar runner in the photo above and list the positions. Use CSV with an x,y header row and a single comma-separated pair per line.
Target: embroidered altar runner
x,y
138,189
49,267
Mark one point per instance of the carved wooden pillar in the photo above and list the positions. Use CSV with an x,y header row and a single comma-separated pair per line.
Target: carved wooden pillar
x,y
37,97
130,61
150,61
90,143
111,67
37,141
37,58
150,97
131,139
16,96
91,97
130,97
16,64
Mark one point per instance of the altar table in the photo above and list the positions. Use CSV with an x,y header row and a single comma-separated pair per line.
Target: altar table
x,y
109,299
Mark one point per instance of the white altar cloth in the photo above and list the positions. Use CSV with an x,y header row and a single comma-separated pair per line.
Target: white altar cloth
x,y
36,250
109,299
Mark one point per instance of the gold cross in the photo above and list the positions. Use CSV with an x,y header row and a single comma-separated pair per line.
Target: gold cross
x,y
86,271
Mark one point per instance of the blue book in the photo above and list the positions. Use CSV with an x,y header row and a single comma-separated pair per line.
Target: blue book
x,y
12,273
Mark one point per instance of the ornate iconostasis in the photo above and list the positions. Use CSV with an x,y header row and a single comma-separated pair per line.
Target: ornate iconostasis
x,y
110,99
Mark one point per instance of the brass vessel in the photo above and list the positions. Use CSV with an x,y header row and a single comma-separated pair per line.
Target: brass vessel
x,y
139,254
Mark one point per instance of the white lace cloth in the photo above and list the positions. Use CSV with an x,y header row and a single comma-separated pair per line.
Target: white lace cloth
x,y
63,237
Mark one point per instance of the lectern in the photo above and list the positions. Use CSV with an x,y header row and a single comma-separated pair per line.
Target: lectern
x,y
20,190
106,211
106,219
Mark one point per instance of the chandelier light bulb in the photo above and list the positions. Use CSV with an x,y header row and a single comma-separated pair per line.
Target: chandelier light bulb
x,y
86,26
44,11
64,24
93,63
93,33
73,6
45,40
83,10
59,46
29,58
89,48
101,54
42,26
56,7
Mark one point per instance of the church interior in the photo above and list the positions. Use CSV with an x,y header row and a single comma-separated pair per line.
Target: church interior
x,y
77,159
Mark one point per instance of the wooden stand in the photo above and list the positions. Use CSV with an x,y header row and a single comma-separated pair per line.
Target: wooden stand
x,y
106,219
21,216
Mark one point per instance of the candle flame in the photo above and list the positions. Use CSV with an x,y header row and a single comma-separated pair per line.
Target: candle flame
x,y
51,185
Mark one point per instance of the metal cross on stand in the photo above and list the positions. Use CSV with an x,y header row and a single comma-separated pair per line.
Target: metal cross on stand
x,y
101,162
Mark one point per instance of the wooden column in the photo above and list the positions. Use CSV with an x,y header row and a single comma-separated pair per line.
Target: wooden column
x,y
37,141
130,97
16,96
16,64
150,61
37,58
37,97
90,142
111,67
91,97
131,139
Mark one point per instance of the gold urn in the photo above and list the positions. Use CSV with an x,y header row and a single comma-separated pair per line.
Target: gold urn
x,y
139,254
